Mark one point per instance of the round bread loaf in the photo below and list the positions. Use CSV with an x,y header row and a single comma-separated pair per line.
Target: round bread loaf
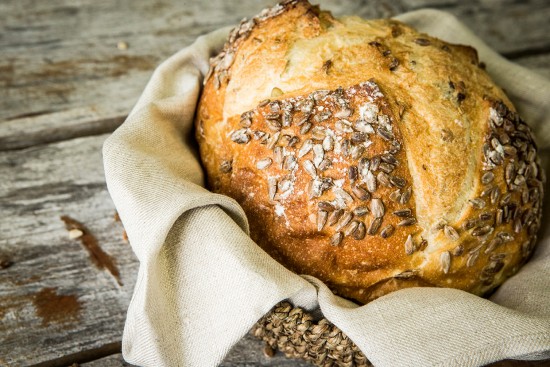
x,y
369,155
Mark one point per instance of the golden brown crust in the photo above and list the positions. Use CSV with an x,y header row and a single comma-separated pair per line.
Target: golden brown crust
x,y
307,120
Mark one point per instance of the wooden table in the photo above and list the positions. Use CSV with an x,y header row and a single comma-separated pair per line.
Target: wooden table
x,y
70,72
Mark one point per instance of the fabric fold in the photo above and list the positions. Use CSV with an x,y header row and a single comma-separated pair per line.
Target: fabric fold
x,y
203,283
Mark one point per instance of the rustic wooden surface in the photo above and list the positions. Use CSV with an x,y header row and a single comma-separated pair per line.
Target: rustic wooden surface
x,y
64,86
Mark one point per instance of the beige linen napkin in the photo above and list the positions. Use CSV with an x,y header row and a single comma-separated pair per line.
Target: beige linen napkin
x,y
203,283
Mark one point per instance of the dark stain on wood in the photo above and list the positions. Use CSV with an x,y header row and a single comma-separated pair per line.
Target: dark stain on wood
x,y
52,307
99,257
5,262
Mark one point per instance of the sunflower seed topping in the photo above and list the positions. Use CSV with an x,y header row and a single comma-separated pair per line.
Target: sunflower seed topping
x,y
310,168
374,226
318,154
360,192
403,213
328,143
240,136
336,238
360,231
487,177
407,222
377,208
451,233
370,180
398,181
477,203
306,147
351,228
322,217
410,248
387,231
406,196
360,211
445,260
264,163
335,216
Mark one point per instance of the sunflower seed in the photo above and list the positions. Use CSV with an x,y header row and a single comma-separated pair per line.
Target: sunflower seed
x,y
499,217
345,147
290,163
505,236
405,197
495,195
422,42
395,195
485,216
353,173
472,257
403,213
505,199
458,250
470,223
410,248
305,128
328,143
343,126
384,133
318,133
360,231
343,113
335,216
360,192
264,163
518,226
387,231
360,211
240,136
325,164
273,140
509,173
374,226
363,127
264,102
386,167
370,180
226,166
272,187
389,158
493,244
274,125
398,181
383,178
364,166
445,260
351,228
481,231
306,147
322,217
487,177
325,205
377,208
477,203
451,233
310,168
357,151
407,222
358,137
375,163
318,154
336,239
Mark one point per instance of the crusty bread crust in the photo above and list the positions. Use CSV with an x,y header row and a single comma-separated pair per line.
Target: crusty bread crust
x,y
368,155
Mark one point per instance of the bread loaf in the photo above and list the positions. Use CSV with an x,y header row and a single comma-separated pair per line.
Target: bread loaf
x,y
369,155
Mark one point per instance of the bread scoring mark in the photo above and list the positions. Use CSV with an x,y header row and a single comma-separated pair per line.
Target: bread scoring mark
x,y
318,150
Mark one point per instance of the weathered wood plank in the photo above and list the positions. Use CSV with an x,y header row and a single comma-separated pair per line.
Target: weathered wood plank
x,y
60,59
54,301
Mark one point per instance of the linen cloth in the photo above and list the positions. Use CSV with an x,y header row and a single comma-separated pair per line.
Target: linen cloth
x,y
203,283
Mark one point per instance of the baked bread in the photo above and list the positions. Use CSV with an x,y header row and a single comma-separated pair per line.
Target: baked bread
x,y
369,155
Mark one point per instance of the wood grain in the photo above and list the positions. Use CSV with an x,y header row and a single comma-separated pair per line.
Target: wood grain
x,y
64,84
53,300
62,76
